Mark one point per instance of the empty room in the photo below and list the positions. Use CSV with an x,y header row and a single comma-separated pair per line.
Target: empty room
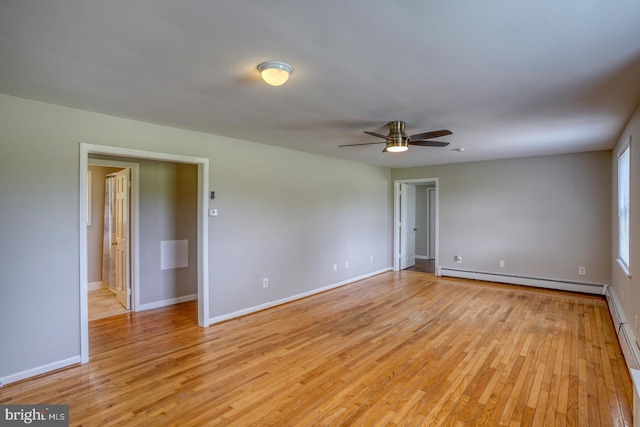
x,y
306,214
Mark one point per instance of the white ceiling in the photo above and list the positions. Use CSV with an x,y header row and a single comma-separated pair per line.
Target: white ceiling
x,y
508,78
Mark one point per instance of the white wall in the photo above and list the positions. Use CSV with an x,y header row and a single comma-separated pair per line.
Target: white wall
x,y
285,215
544,216
422,220
627,290
422,225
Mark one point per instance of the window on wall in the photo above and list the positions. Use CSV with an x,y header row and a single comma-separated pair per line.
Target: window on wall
x,y
623,209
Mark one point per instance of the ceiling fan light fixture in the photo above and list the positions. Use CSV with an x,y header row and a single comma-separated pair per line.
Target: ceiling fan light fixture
x,y
275,73
397,146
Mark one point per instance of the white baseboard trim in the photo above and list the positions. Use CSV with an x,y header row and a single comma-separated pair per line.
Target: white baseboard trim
x,y
264,306
167,302
94,286
562,285
421,257
626,338
39,370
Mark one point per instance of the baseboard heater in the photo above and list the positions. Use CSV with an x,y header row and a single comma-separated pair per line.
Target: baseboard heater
x,y
628,343
630,349
563,285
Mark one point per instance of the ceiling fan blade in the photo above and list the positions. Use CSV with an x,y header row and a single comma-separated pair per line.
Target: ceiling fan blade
x,y
366,143
432,134
376,134
429,143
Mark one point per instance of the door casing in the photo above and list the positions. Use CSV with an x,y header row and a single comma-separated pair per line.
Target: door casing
x,y
396,219
407,225
202,230
123,238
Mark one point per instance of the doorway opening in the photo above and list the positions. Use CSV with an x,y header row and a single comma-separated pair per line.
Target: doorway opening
x,y
110,223
416,225
88,150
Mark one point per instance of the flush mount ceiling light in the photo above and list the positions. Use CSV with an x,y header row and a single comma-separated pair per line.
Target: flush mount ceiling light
x,y
275,73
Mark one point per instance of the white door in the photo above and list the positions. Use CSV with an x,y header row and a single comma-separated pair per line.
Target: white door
x,y
407,226
123,282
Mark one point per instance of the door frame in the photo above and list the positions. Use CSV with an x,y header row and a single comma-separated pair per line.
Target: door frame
x,y
134,209
396,219
405,230
202,229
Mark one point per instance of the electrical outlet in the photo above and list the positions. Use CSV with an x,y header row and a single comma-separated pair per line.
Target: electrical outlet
x,y
582,271
370,258
346,264
458,259
265,282
335,267
501,263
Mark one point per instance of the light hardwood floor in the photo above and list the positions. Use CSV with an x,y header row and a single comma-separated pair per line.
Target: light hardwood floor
x,y
398,349
103,303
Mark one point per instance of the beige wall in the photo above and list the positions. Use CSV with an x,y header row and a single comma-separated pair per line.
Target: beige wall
x,y
168,211
544,216
285,215
627,290
95,230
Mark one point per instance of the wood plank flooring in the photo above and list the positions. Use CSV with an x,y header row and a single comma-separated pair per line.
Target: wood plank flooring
x,y
423,266
103,303
398,349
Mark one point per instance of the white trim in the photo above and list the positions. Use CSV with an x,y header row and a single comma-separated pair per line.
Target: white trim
x,y
84,300
203,243
396,219
624,268
538,282
39,370
264,306
421,257
168,302
202,221
624,148
94,286
625,335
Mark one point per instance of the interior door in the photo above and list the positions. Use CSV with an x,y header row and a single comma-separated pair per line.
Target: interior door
x,y
123,282
407,226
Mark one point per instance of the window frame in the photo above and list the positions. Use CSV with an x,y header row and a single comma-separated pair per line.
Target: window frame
x,y
623,208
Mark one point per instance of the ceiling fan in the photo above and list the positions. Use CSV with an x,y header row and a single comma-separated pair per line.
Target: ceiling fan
x,y
398,141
